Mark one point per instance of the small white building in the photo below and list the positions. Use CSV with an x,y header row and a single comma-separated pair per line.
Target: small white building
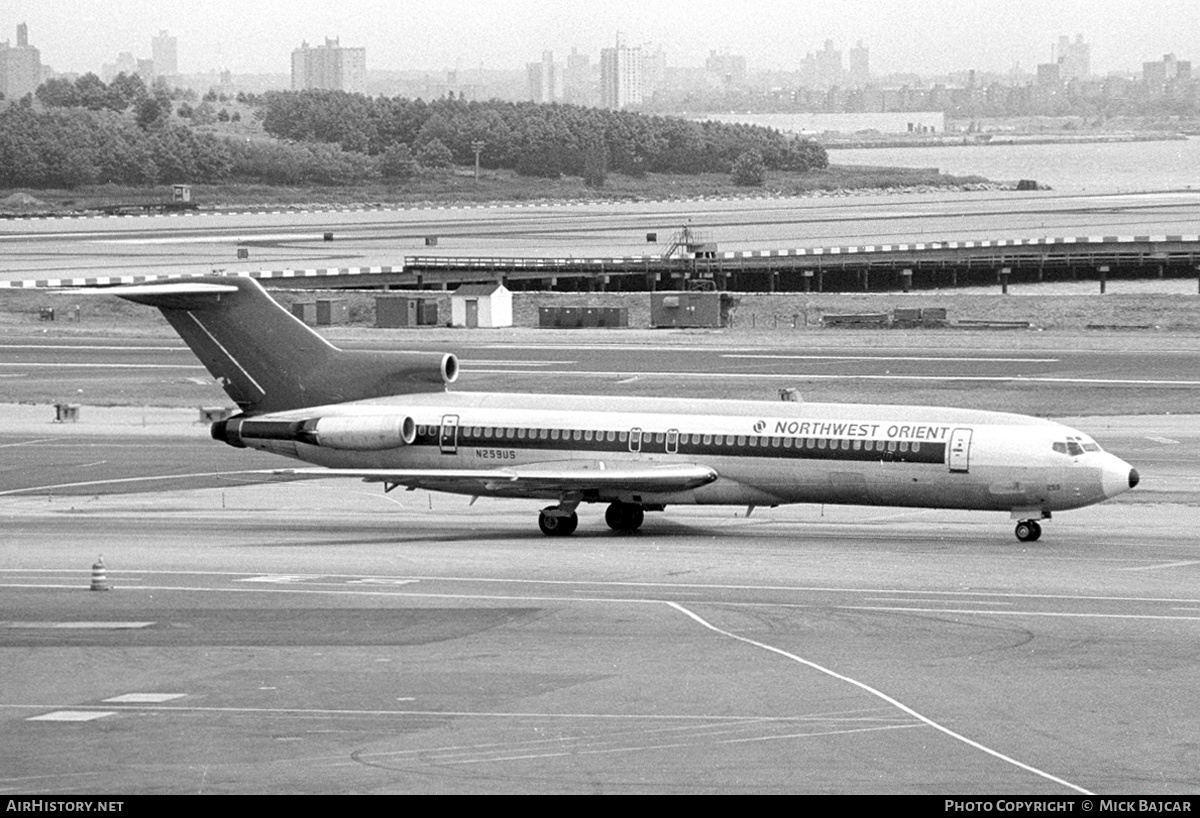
x,y
481,305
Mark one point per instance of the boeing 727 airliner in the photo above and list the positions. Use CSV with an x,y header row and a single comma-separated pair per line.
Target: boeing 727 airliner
x,y
387,417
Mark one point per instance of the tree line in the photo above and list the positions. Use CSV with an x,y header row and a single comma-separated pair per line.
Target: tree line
x,y
85,133
531,138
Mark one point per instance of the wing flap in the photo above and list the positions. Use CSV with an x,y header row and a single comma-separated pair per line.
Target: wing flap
x,y
535,479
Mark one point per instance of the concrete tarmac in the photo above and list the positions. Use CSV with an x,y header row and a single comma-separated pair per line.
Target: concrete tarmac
x,y
322,637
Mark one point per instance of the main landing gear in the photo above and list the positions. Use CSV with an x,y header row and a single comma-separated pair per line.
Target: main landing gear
x,y
624,517
561,520
1029,531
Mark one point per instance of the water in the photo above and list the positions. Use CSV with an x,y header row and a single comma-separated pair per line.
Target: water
x,y
1090,168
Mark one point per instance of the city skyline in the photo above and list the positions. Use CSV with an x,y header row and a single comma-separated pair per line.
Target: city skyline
x,y
948,36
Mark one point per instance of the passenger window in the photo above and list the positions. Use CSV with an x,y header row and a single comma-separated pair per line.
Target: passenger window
x,y
587,435
707,440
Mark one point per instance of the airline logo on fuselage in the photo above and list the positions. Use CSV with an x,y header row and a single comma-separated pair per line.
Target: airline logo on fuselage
x,y
896,431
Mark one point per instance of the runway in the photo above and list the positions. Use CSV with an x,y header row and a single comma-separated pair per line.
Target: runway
x,y
295,239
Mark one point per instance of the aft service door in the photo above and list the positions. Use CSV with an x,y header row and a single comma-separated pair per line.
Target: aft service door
x,y
448,437
960,450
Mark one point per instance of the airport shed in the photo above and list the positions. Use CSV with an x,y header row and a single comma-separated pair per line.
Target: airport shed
x,y
481,305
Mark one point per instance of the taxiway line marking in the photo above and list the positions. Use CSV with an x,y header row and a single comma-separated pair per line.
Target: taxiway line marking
x,y
916,358
665,586
28,442
1183,564
825,377
878,694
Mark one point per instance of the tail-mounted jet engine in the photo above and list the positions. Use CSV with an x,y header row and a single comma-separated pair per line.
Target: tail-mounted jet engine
x,y
370,433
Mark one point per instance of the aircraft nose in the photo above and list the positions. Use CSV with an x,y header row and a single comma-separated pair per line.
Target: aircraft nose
x,y
1118,477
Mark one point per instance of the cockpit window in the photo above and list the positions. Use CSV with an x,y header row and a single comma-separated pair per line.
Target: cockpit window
x,y
1061,448
1091,447
1074,449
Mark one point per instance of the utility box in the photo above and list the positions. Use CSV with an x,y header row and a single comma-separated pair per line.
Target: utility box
x,y
405,311
306,311
181,193
332,311
686,309
580,317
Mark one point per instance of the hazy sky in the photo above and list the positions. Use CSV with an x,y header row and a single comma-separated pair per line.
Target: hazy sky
x,y
926,36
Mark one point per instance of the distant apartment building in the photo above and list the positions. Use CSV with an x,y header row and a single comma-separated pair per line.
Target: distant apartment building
x,y
20,66
1049,74
654,69
164,53
1159,77
1074,57
726,69
859,75
578,87
545,79
829,66
329,67
125,63
620,76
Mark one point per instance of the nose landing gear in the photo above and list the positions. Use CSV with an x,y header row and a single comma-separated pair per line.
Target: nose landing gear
x,y
556,521
1028,531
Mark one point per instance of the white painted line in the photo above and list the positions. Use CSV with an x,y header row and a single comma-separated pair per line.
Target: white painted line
x,y
80,626
1164,565
814,377
148,698
964,358
867,688
73,715
280,578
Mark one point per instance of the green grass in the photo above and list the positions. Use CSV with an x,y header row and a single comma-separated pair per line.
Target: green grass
x,y
458,185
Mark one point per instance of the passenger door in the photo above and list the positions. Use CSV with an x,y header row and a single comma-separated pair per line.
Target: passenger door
x,y
960,451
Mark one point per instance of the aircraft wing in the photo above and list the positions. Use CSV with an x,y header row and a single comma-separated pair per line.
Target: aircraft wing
x,y
534,480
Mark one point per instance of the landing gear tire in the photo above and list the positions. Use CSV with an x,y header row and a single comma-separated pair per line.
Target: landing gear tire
x,y
1028,531
554,525
624,517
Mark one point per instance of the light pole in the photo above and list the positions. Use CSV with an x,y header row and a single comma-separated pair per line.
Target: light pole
x,y
477,146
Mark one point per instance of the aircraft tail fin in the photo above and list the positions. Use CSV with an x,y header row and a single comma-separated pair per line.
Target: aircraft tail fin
x,y
267,360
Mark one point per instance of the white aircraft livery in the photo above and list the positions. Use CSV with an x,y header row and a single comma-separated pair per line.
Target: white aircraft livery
x,y
388,417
